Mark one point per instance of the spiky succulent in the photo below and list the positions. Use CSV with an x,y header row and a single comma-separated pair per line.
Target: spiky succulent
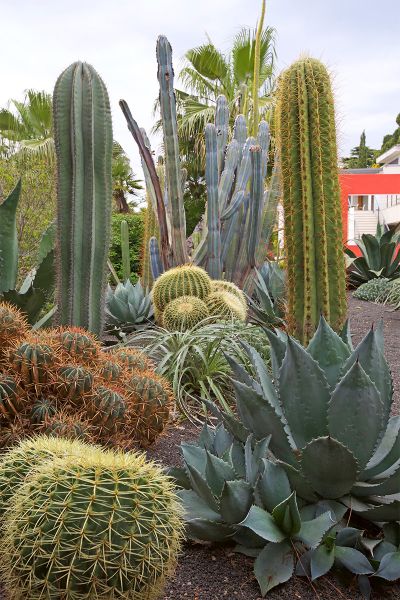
x,y
79,344
218,285
374,290
43,409
393,296
73,382
328,411
225,306
32,359
186,280
184,312
69,426
128,307
17,463
150,401
106,408
110,370
133,359
105,525
12,396
13,326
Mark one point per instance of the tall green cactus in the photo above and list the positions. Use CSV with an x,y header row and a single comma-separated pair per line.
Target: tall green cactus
x,y
240,215
305,124
9,240
126,263
83,138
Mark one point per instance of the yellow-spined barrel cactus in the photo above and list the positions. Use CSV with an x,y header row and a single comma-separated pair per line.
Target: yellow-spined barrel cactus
x,y
225,305
11,397
133,359
227,286
13,326
102,525
184,312
187,280
18,462
150,403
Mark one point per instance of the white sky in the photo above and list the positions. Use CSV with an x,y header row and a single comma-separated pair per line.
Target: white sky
x,y
358,39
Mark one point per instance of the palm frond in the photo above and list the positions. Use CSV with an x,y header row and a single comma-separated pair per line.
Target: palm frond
x,y
208,61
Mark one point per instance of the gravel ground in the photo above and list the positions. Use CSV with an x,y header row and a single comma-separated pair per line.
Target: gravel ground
x,y
215,572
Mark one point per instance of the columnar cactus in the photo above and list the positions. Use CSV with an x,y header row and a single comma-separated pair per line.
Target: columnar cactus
x,y
126,266
306,137
118,524
83,139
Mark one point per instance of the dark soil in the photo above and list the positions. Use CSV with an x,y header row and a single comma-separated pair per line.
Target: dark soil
x,y
214,572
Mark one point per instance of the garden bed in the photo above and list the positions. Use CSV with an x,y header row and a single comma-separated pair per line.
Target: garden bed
x,y
213,573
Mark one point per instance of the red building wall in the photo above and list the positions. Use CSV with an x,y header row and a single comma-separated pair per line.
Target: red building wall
x,y
363,184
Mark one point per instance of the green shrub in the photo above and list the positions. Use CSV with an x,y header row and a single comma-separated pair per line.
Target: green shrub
x,y
135,225
374,290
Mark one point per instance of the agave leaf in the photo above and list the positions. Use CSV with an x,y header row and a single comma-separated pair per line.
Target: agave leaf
x,y
353,560
299,483
196,508
217,472
180,477
246,537
236,456
206,438
47,241
384,487
312,532
277,350
380,513
329,350
273,486
322,559
304,394
391,533
268,389
222,440
287,515
263,524
384,548
274,565
208,531
8,240
345,335
389,567
235,501
330,467
202,489
387,452
372,360
194,456
348,536
232,424
260,417
355,414
241,374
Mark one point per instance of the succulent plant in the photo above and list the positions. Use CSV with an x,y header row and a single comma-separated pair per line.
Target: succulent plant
x,y
32,359
123,529
83,141
393,296
132,359
13,327
328,411
379,257
268,303
227,286
76,342
68,426
73,382
184,312
11,397
150,401
225,306
128,307
43,409
106,408
110,370
187,280
306,142
374,290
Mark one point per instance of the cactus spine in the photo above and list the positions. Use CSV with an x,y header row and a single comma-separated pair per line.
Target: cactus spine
x,y
126,263
186,280
305,124
83,139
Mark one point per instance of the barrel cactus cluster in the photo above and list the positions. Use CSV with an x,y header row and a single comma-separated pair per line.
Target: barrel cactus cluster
x,y
61,382
81,522
186,295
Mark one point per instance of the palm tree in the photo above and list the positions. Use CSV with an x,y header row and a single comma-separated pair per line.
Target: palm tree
x,y
124,181
208,73
28,128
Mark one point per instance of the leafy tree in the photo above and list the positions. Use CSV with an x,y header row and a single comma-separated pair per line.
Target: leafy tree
x,y
392,139
124,181
362,156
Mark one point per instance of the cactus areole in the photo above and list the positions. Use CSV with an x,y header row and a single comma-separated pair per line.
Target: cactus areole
x,y
305,124
83,139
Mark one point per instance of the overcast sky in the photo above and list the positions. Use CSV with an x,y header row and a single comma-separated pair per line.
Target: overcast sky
x,y
357,39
